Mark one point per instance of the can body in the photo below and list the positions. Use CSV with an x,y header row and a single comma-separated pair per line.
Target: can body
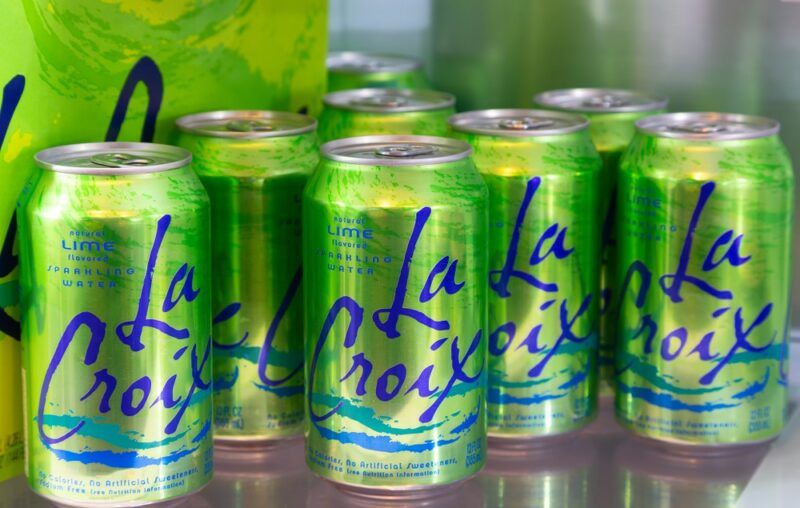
x,y
369,112
543,277
612,115
255,187
115,280
703,276
349,70
395,311
611,133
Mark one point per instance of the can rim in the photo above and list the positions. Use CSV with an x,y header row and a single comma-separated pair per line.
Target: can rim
x,y
343,99
327,149
405,63
549,99
188,123
51,158
459,122
651,125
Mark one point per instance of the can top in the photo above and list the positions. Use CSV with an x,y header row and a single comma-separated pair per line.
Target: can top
x,y
396,150
389,100
113,158
357,62
600,100
708,126
518,122
246,124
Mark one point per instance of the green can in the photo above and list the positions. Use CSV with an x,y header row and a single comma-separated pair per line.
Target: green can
x,y
395,241
116,325
354,69
544,264
612,115
705,220
371,111
254,165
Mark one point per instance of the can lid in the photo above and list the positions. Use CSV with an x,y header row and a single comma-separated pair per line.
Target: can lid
x,y
389,100
396,150
246,124
708,126
600,100
357,62
113,158
518,122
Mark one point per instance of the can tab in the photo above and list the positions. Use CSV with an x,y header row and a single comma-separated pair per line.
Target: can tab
x,y
382,101
249,126
401,151
528,123
699,128
605,101
120,160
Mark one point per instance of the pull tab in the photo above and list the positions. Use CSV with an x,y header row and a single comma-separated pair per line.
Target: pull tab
x,y
699,128
383,101
605,101
404,150
120,160
528,123
249,126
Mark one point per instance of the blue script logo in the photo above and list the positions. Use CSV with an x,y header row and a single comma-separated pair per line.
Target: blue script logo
x,y
263,356
551,248
396,381
675,344
141,396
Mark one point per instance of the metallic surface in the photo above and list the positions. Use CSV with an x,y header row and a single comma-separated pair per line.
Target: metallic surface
x,y
348,70
255,180
703,274
544,267
600,100
385,111
395,260
604,467
115,279
738,56
612,114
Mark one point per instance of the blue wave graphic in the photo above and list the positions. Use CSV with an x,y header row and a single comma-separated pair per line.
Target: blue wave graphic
x,y
250,354
494,396
108,432
222,382
774,352
282,391
577,379
755,388
468,422
381,443
650,373
366,416
497,380
666,400
129,459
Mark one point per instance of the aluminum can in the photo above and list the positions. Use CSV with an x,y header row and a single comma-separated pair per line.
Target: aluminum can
x,y
394,232
369,111
254,165
116,325
612,114
353,69
705,216
544,263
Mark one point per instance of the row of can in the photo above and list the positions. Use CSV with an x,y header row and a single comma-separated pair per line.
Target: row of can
x,y
449,294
